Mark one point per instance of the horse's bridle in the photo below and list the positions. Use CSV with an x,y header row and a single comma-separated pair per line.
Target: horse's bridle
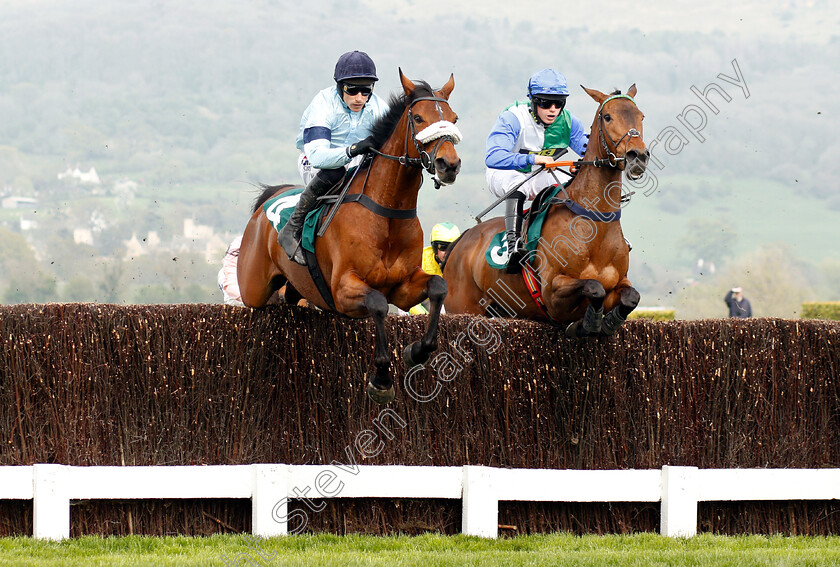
x,y
426,160
613,160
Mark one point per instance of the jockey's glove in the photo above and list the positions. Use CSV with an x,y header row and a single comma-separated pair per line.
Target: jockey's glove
x,y
360,147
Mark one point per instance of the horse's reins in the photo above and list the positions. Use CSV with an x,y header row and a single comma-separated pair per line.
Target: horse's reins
x,y
442,130
611,160
445,132
529,274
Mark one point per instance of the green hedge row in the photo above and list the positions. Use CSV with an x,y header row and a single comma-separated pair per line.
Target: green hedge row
x,y
829,310
653,314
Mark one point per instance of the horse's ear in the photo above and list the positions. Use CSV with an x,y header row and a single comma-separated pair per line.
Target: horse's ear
x,y
632,90
408,86
447,88
597,95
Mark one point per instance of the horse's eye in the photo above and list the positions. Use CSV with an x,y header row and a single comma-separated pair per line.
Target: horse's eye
x,y
607,118
418,119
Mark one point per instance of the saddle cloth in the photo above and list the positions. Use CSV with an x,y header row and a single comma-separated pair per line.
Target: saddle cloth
x,y
496,254
279,209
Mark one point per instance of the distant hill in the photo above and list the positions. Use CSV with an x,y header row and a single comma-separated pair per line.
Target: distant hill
x,y
196,101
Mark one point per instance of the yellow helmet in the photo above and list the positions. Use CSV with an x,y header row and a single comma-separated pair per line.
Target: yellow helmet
x,y
444,232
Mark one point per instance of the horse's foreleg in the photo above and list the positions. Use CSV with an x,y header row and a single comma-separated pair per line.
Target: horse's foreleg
x,y
355,298
435,288
381,387
627,300
570,293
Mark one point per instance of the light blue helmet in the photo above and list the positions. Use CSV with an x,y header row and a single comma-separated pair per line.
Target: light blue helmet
x,y
547,82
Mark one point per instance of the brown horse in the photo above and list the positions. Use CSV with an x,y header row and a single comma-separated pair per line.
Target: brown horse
x,y
370,254
581,259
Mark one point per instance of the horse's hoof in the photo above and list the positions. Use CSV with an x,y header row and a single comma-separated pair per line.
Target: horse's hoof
x,y
379,395
610,330
573,329
409,360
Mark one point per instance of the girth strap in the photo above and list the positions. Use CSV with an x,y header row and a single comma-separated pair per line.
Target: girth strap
x,y
378,209
318,277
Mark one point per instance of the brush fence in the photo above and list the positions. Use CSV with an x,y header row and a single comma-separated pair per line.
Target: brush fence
x,y
108,390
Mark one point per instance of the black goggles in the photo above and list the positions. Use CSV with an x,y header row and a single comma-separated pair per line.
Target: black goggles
x,y
353,90
546,103
440,245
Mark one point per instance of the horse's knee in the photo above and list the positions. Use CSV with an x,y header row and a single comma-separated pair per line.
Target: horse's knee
x,y
437,288
630,297
628,301
593,290
376,304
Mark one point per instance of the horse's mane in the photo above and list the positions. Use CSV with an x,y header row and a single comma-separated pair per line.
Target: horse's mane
x,y
384,126
268,191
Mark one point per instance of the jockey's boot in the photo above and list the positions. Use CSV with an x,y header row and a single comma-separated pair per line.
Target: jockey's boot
x,y
290,235
513,228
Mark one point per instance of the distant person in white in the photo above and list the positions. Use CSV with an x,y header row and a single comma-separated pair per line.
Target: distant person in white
x,y
227,275
739,306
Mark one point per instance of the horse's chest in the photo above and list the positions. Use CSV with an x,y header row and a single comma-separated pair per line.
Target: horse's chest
x,y
603,264
388,274
608,275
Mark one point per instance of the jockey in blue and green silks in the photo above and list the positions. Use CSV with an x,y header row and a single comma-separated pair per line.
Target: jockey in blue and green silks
x,y
525,134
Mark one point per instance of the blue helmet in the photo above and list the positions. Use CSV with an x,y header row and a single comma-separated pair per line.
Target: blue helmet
x,y
355,65
547,83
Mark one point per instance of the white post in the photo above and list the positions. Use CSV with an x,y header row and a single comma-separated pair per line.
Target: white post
x,y
480,515
50,502
271,486
679,501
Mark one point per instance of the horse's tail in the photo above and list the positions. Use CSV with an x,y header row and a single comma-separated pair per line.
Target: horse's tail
x,y
268,192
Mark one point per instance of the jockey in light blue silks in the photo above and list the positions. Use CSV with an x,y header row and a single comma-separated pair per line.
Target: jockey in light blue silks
x,y
524,135
334,130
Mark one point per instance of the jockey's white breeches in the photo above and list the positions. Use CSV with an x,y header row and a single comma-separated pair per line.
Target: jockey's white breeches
x,y
500,181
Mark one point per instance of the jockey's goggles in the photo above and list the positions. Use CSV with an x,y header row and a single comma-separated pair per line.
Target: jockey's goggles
x,y
546,103
353,90
441,245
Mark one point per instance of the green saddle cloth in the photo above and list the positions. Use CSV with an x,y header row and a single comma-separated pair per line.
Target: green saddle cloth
x,y
497,252
279,209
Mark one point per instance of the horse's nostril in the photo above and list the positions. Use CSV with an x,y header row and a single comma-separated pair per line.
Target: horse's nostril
x,y
635,155
444,165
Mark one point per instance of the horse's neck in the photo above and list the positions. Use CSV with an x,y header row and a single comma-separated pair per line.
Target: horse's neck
x,y
596,188
391,184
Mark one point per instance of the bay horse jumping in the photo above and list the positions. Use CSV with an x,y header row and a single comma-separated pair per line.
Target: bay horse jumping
x,y
370,253
581,259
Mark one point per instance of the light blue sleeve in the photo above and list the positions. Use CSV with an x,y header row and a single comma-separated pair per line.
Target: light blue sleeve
x,y
501,141
578,138
322,156
320,117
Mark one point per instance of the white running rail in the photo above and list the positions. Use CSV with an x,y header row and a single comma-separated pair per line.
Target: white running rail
x,y
270,487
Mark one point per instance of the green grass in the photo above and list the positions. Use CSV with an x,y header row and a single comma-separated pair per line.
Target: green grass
x,y
426,550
